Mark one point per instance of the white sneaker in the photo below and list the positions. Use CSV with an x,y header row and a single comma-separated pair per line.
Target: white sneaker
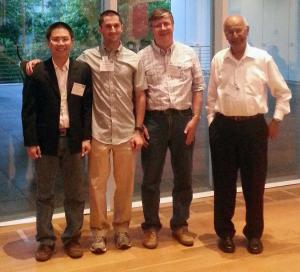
x,y
122,240
98,245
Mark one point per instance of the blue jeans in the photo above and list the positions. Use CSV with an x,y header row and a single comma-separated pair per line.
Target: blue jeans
x,y
166,130
47,170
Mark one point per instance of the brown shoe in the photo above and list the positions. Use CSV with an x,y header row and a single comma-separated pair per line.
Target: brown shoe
x,y
150,239
73,249
183,236
44,252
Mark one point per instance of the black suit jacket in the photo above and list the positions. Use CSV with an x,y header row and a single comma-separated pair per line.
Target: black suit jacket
x,y
41,107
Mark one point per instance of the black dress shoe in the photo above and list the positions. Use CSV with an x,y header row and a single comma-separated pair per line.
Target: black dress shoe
x,y
226,245
255,246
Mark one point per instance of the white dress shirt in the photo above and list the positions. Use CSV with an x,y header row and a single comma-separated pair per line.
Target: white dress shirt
x,y
240,87
62,79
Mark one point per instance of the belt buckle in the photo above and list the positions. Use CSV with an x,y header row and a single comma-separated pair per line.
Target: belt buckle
x,y
238,118
168,111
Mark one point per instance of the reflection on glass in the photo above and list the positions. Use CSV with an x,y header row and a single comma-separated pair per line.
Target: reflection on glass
x,y
137,36
280,39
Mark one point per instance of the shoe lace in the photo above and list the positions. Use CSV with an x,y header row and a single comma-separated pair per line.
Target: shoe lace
x,y
99,241
123,238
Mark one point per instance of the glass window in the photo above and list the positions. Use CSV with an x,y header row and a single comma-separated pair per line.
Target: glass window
x,y
23,25
280,38
192,27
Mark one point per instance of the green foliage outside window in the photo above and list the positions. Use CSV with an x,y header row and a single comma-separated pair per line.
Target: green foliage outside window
x,y
124,6
23,23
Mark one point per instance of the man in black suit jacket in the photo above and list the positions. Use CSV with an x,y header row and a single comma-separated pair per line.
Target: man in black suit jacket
x,y
56,116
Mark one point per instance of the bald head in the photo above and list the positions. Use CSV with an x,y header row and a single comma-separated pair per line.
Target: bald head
x,y
235,20
236,30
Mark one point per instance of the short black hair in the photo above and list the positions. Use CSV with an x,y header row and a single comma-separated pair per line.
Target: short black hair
x,y
109,12
59,25
158,14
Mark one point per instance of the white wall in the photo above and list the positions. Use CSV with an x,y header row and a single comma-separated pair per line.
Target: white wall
x,y
274,26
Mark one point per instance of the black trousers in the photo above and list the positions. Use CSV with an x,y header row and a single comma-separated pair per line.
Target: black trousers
x,y
238,146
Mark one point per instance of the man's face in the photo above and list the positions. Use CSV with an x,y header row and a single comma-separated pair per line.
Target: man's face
x,y
162,30
60,43
236,32
111,29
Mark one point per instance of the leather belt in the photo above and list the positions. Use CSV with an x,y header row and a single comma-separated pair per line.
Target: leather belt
x,y
63,132
169,111
239,118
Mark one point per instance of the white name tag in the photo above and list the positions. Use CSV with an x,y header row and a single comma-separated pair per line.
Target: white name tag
x,y
78,89
106,65
174,71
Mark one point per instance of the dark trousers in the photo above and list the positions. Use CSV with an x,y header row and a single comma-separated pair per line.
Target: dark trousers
x,y
238,145
47,170
166,130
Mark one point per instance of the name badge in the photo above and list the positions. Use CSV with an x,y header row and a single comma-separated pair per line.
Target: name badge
x,y
174,71
106,65
78,89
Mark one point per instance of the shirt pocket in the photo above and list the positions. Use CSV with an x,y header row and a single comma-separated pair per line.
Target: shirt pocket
x,y
181,71
152,75
226,78
186,70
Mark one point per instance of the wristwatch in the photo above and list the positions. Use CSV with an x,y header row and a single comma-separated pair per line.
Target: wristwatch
x,y
277,120
140,129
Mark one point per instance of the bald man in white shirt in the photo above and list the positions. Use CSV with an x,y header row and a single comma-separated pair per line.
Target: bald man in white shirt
x,y
237,101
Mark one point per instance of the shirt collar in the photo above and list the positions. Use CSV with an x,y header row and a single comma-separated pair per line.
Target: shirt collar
x,y
248,53
161,51
116,51
65,66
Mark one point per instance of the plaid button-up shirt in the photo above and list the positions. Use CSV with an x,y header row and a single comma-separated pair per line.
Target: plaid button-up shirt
x,y
172,76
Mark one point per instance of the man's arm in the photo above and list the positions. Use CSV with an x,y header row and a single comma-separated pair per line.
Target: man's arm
x,y
190,129
212,94
87,111
30,66
198,86
282,94
29,117
140,106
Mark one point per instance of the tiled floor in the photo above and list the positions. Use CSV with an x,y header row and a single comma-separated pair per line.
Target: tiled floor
x,y
17,188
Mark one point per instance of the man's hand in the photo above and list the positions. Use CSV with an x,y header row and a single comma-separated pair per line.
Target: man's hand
x,y
30,66
85,147
190,130
146,136
137,141
34,152
273,128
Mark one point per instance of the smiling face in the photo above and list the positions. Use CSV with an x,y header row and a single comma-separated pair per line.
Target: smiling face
x,y
236,32
111,29
60,43
162,30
